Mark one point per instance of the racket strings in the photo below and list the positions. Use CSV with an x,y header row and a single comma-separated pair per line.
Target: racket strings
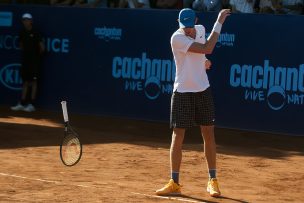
x,y
71,149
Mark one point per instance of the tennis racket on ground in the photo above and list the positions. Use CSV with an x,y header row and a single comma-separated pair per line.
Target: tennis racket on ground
x,y
70,147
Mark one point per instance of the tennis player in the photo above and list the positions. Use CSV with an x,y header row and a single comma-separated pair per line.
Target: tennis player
x,y
192,102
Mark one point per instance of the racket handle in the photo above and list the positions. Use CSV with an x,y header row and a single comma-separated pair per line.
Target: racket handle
x,y
65,111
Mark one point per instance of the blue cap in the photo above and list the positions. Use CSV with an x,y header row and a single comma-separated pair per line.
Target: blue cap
x,y
186,18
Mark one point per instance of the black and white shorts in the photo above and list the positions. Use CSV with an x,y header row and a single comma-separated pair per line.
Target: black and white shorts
x,y
192,109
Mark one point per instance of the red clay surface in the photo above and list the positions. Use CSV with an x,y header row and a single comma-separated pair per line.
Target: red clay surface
x,y
125,161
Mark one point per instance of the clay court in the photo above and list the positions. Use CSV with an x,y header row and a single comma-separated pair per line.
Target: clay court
x,y
126,160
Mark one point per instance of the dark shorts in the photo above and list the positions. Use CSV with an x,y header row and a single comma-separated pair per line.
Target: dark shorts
x,y
29,71
192,109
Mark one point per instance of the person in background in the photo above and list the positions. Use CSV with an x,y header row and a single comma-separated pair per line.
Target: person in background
x,y
242,6
226,4
61,2
91,3
294,7
169,4
113,3
207,5
266,6
143,4
32,48
187,3
40,2
7,2
134,4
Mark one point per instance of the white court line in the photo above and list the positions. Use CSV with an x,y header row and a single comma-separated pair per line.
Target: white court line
x,y
168,198
86,186
42,180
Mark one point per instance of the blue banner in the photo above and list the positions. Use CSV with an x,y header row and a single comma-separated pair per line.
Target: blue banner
x,y
118,62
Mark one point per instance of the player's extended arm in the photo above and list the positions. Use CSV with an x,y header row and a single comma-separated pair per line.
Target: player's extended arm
x,y
208,47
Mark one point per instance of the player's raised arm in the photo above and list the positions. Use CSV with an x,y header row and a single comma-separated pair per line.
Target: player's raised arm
x,y
208,47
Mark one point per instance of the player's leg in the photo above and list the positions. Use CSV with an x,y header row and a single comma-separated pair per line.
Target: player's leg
x,y
25,90
210,154
25,75
33,95
33,75
205,115
181,117
34,90
21,104
25,87
176,152
173,187
209,147
30,107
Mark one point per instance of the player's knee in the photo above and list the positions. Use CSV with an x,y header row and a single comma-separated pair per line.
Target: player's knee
x,y
208,133
178,136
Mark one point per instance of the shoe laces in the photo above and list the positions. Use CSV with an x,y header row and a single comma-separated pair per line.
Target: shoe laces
x,y
214,185
172,185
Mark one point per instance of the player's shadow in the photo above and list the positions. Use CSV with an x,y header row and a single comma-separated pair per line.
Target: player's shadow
x,y
186,198
232,199
196,199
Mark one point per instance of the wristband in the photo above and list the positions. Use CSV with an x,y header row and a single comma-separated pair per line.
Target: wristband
x,y
217,27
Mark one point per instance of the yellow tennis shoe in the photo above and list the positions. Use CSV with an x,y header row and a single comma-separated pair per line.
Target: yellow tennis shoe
x,y
171,188
213,188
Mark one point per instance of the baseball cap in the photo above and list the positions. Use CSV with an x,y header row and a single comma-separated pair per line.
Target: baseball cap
x,y
186,18
27,16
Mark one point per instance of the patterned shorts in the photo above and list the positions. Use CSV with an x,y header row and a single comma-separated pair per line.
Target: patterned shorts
x,y
192,109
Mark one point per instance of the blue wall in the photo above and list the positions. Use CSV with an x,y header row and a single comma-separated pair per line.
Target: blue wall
x,y
118,62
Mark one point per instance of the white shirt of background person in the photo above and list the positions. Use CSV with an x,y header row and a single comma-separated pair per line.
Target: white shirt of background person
x,y
266,3
139,4
243,6
206,5
143,4
213,5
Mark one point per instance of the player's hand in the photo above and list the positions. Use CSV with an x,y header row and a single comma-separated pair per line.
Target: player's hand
x,y
223,15
208,64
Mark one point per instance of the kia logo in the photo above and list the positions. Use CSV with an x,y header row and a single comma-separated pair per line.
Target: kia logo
x,y
10,76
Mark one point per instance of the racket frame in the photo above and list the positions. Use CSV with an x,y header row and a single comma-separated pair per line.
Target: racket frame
x,y
68,130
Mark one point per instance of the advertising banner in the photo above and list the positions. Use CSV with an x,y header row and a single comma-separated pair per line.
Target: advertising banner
x,y
118,62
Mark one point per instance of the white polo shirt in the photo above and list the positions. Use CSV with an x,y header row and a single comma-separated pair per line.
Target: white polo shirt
x,y
191,73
